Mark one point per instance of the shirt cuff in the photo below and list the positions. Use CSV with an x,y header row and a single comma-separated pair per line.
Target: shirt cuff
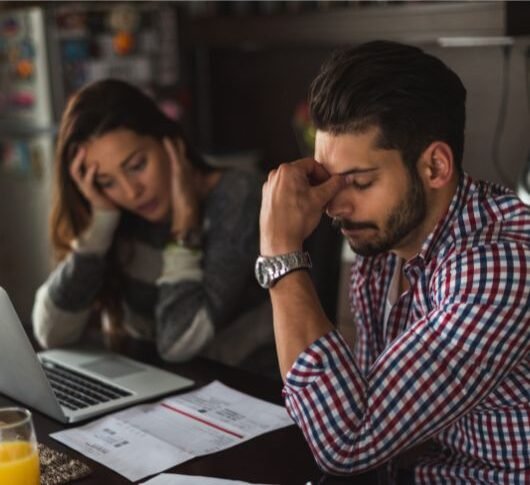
x,y
179,264
328,352
97,239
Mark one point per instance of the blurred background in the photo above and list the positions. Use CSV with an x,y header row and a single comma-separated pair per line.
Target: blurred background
x,y
237,74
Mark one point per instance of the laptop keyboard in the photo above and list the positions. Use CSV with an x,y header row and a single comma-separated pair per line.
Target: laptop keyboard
x,y
77,391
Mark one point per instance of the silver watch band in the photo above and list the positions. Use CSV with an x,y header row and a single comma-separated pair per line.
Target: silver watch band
x,y
269,269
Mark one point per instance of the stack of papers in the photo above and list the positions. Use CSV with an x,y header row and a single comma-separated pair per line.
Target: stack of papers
x,y
172,479
148,439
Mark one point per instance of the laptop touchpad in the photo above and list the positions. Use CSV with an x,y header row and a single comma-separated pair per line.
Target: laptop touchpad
x,y
111,367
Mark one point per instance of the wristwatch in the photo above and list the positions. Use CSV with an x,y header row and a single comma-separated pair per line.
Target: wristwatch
x,y
269,269
192,239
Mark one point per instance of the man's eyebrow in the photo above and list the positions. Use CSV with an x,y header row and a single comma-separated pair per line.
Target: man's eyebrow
x,y
355,171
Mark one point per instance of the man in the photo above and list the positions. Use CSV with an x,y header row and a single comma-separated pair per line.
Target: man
x,y
440,289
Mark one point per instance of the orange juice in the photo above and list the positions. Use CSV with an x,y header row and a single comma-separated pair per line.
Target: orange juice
x,y
19,463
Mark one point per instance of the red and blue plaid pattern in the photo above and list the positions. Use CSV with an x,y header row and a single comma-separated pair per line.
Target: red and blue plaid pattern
x,y
451,364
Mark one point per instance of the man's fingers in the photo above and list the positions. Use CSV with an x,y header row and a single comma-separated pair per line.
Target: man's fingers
x,y
315,172
271,175
321,184
319,174
324,192
305,164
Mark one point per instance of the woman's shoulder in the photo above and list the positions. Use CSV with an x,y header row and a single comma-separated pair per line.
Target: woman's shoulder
x,y
238,192
234,179
238,186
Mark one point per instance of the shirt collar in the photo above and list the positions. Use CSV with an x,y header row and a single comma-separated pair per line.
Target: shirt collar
x,y
442,233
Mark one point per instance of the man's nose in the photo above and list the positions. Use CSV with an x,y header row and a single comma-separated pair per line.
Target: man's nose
x,y
339,206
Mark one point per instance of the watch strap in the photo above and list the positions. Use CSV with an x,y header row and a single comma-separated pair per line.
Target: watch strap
x,y
269,269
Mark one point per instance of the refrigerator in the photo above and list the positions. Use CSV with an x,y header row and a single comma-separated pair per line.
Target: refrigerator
x,y
26,150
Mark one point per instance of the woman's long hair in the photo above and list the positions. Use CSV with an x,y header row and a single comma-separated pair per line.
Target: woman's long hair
x,y
94,111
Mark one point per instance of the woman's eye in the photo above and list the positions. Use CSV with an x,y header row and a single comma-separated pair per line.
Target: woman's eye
x,y
104,184
139,165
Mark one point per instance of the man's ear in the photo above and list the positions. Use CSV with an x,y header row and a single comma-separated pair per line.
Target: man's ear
x,y
436,165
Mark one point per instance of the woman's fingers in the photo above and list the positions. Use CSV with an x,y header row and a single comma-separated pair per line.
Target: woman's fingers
x,y
185,211
174,156
177,155
82,175
85,178
89,179
77,166
170,149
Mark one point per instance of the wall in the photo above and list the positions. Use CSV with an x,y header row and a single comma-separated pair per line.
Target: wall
x,y
481,70
252,95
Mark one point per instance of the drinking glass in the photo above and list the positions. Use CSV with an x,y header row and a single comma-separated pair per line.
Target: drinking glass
x,y
19,456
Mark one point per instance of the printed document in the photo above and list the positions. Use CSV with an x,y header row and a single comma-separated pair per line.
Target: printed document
x,y
173,479
150,438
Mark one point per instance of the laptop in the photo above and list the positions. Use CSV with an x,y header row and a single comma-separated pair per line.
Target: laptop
x,y
72,385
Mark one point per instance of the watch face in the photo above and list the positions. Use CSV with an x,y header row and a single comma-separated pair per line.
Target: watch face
x,y
262,274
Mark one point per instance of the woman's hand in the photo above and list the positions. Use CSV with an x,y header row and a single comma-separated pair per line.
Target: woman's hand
x,y
185,213
84,178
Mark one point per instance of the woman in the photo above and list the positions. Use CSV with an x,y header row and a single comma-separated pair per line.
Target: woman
x,y
148,234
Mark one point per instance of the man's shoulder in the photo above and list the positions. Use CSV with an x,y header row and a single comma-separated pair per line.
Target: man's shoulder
x,y
491,214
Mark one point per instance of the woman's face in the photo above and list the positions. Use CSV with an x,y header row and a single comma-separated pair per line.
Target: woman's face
x,y
133,172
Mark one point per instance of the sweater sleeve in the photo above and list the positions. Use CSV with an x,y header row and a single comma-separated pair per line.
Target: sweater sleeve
x,y
200,291
63,303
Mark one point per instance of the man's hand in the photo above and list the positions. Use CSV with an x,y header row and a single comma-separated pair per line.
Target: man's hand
x,y
294,197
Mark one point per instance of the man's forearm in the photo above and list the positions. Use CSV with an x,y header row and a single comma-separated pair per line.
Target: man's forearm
x,y
299,319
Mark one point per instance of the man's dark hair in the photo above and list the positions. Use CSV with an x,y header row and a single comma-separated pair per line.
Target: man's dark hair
x,y
412,97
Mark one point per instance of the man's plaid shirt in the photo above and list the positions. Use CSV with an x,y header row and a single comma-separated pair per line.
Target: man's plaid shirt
x,y
451,364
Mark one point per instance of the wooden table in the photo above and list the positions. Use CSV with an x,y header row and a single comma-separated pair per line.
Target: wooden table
x,y
279,457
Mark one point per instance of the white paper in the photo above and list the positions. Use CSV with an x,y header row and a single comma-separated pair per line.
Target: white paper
x,y
148,439
174,479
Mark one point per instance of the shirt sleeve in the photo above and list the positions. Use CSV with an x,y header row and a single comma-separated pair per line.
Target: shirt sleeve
x,y
475,331
200,291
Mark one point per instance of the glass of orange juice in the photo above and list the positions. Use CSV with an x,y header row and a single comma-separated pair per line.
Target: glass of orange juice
x,y
19,456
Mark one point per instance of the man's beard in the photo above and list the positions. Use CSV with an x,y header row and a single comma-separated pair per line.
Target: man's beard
x,y
402,220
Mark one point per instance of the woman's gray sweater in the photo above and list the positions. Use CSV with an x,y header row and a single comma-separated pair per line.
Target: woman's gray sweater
x,y
182,299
